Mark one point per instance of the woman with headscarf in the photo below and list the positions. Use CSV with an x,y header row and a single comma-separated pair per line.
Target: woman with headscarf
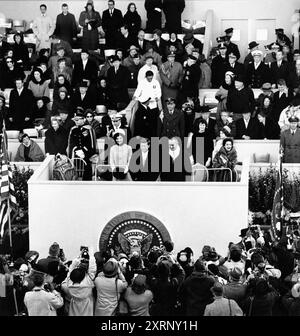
x,y
90,20
62,68
225,158
221,94
90,119
62,102
61,81
20,50
132,19
38,85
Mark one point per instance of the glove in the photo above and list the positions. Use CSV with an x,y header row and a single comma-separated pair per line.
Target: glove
x,y
80,153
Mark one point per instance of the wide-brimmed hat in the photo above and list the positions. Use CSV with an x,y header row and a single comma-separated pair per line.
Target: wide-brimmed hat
x,y
110,269
188,37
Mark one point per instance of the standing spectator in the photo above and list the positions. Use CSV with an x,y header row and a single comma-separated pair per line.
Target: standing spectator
x,y
231,47
85,68
175,43
205,79
190,39
222,306
252,46
227,122
110,284
154,12
171,121
60,82
173,10
138,297
218,67
191,78
236,67
132,19
240,99
66,26
60,53
41,301
294,75
134,67
125,40
171,74
62,69
102,93
84,97
151,60
21,102
90,20
28,151
117,83
79,285
279,69
222,93
258,73
56,139
290,141
43,28
112,20
20,49
195,291
235,289
38,84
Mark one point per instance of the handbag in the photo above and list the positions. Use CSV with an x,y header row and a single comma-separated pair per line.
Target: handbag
x,y
122,306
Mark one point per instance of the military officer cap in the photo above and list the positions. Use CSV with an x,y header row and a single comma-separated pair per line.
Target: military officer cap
x,y
293,119
116,117
78,114
229,30
171,54
279,31
170,100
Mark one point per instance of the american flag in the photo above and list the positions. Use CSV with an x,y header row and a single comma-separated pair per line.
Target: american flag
x,y
277,211
7,190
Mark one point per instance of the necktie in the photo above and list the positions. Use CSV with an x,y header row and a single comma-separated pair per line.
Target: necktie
x,y
111,13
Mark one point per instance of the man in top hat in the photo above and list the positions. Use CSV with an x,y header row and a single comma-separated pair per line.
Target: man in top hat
x,y
280,69
191,78
231,47
269,128
112,20
117,82
171,73
233,65
189,39
66,26
171,121
43,27
219,66
281,38
252,46
82,143
85,68
258,72
84,97
290,142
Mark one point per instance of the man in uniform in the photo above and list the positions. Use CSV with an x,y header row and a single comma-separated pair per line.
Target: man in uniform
x,y
258,73
290,142
218,67
82,143
231,47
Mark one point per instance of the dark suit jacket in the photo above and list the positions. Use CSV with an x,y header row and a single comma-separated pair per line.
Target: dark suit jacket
x,y
90,72
161,49
111,24
140,172
218,69
252,129
270,130
281,72
66,27
210,127
172,125
257,77
238,69
143,48
118,83
89,100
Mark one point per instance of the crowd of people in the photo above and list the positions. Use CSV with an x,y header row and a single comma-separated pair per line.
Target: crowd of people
x,y
92,90
257,277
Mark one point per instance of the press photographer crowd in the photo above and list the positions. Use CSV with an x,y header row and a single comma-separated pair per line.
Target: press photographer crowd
x,y
257,277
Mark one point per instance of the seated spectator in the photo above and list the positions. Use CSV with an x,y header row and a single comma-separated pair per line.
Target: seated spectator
x,y
41,301
85,68
132,19
110,284
266,92
119,156
266,107
225,158
60,53
128,61
222,306
140,42
104,67
84,97
62,102
195,293
246,127
102,93
158,43
38,85
205,114
28,151
282,99
4,46
175,42
223,134
40,111
138,297
56,139
9,72
61,81
65,120
279,69
79,285
90,118
226,122
125,39
62,68
268,129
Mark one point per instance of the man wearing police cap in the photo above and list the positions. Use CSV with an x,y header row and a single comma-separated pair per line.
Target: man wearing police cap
x,y
231,47
290,142
258,72
218,67
82,143
171,121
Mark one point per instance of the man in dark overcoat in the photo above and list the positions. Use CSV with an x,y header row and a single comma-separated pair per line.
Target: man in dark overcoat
x,y
154,11
290,142
112,20
66,27
85,68
258,72
218,67
173,10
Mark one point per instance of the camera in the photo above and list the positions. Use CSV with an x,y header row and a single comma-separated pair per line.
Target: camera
x,y
84,253
221,39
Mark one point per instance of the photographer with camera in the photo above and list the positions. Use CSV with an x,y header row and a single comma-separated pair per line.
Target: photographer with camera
x,y
43,300
79,284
